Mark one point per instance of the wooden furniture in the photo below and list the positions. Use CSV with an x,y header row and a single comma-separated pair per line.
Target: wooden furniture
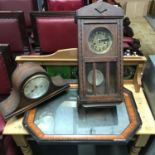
x,y
6,142
100,54
15,5
139,63
63,5
15,127
31,86
69,57
7,66
148,82
152,9
54,31
13,32
117,124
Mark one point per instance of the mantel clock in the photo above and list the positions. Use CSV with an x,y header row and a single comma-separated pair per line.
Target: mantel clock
x,y
100,54
31,86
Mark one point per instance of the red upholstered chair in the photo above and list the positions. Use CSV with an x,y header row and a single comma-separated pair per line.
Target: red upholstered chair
x,y
54,30
63,5
20,5
7,146
127,41
113,2
12,32
7,65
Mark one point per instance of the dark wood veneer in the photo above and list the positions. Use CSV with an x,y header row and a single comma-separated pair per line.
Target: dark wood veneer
x,y
108,17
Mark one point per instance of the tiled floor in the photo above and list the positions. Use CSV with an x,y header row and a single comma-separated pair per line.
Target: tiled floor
x,y
145,33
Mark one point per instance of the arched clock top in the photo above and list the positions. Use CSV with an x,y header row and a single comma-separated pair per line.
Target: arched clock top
x,y
100,9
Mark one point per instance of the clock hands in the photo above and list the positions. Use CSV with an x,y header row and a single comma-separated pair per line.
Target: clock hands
x,y
103,40
100,40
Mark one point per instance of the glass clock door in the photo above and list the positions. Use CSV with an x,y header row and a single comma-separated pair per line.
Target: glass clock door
x,y
101,78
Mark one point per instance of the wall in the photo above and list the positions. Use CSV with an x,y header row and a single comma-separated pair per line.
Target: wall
x,y
135,8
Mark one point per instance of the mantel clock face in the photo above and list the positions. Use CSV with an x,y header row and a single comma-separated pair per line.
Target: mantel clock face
x,y
100,40
36,86
100,54
31,86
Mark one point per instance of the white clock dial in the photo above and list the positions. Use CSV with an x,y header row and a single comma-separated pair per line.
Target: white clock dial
x,y
99,77
100,40
36,86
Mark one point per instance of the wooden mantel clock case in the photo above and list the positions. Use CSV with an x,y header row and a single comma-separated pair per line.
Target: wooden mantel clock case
x,y
100,54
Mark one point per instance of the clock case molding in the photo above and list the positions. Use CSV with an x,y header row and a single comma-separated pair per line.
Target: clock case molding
x,y
88,18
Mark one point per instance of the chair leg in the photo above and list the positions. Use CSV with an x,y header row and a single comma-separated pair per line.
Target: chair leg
x,y
23,144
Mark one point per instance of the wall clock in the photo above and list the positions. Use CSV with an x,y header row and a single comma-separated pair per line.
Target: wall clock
x,y
31,86
100,54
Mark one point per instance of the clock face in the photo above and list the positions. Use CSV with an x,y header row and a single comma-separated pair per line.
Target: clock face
x,y
36,86
99,77
100,40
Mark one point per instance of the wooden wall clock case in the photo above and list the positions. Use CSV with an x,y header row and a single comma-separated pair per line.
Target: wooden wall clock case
x,y
100,54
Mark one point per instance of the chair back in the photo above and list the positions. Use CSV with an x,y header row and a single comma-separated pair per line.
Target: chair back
x,y
20,5
7,66
12,31
54,30
63,5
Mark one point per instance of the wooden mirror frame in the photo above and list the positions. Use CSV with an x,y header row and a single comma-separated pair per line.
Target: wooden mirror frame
x,y
124,137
